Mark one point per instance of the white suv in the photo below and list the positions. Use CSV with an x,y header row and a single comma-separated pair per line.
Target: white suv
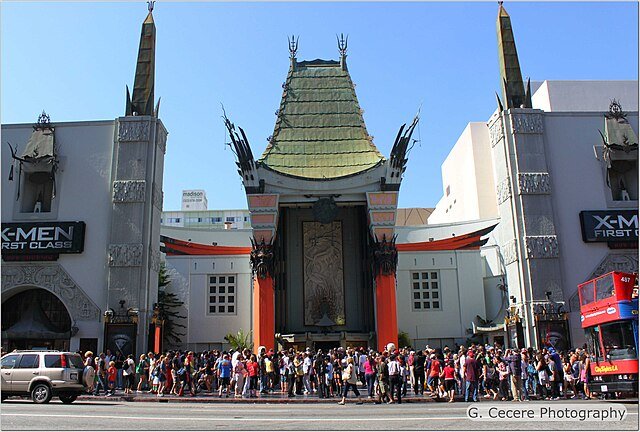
x,y
42,375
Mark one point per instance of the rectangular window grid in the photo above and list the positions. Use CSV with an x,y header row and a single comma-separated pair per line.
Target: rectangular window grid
x,y
425,291
221,297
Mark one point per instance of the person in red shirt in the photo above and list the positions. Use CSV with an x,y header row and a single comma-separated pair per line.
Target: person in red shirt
x,y
112,373
449,376
434,374
254,371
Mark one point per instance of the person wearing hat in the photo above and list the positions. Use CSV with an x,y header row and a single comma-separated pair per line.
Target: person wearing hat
x,y
470,371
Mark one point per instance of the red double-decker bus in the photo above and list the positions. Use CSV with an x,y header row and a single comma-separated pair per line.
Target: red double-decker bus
x,y
609,316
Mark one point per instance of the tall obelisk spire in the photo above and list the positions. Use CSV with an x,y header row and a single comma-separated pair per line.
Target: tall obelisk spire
x,y
142,101
513,89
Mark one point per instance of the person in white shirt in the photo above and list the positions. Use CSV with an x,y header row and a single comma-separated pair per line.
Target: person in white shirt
x,y
395,378
361,361
306,369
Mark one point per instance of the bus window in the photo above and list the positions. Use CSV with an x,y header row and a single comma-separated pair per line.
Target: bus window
x,y
604,287
593,343
586,294
618,340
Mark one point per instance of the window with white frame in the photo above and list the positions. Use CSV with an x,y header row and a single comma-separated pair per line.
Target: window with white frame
x,y
425,291
221,295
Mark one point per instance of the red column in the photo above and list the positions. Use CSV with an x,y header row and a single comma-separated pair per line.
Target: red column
x,y
386,312
157,340
264,313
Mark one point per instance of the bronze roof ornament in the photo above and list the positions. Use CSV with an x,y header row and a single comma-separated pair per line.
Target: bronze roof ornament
x,y
342,44
514,92
142,100
615,111
293,46
342,49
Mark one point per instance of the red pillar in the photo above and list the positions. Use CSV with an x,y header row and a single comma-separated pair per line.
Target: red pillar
x,y
386,312
157,339
264,313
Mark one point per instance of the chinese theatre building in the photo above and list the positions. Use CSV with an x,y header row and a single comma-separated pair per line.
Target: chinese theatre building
x,y
324,253
322,201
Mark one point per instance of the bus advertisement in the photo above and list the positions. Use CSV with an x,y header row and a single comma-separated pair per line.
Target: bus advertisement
x,y
609,316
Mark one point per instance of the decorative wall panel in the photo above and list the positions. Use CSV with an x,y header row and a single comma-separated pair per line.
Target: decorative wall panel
x,y
125,255
503,190
133,130
54,278
541,246
323,272
534,183
527,123
496,131
129,191
509,252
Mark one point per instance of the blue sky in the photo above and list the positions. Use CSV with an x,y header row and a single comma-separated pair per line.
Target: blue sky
x,y
74,60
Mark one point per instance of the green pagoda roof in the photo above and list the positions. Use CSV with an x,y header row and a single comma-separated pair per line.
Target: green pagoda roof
x,y
320,132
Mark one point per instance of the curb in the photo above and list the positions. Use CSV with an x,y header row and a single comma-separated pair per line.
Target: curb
x,y
209,399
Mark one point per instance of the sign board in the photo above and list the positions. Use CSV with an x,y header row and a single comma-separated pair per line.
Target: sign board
x,y
42,238
194,200
609,226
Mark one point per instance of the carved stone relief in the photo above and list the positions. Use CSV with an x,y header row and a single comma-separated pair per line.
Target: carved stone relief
x,y
323,272
54,278
531,123
627,263
509,252
541,246
157,196
496,131
504,190
154,259
133,130
125,255
161,139
129,190
534,183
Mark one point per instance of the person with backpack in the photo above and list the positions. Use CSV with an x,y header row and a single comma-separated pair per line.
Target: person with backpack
x,y
101,374
224,372
320,373
142,370
129,374
490,378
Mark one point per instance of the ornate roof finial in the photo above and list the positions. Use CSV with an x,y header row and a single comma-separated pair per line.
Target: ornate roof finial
x,y
342,44
615,111
514,93
342,49
293,46
150,5
44,119
140,101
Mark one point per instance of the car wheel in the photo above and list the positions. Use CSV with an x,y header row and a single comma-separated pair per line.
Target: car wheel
x,y
41,393
68,398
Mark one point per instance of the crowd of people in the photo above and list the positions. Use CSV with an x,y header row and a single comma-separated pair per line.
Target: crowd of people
x,y
479,371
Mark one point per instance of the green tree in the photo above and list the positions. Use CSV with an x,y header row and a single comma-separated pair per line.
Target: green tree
x,y
403,339
240,340
168,303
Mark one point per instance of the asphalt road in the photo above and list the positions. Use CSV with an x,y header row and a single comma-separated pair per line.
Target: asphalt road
x,y
146,416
